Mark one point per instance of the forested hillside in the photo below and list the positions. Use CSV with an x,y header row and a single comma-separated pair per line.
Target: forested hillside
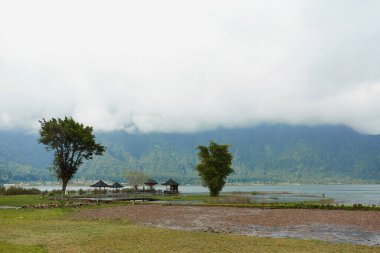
x,y
266,153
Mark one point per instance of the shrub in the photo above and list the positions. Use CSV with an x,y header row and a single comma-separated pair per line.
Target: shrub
x,y
13,190
357,206
71,192
127,190
234,199
2,189
81,191
56,192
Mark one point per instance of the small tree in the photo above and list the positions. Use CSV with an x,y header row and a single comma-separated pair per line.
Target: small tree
x,y
214,166
71,142
135,178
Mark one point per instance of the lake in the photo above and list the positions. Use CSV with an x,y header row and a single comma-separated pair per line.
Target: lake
x,y
342,194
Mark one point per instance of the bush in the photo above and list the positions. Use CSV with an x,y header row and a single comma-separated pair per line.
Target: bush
x,y
357,206
234,199
2,189
71,192
127,190
13,190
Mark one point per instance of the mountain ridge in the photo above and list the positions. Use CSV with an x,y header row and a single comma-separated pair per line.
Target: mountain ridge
x,y
264,153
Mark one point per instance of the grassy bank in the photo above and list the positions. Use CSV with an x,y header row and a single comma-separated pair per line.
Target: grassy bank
x,y
243,200
60,230
22,200
6,247
235,200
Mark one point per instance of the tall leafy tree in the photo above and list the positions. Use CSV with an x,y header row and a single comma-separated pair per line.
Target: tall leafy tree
x,y
71,142
214,166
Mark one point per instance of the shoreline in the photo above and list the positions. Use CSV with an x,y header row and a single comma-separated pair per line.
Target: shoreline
x,y
340,194
85,183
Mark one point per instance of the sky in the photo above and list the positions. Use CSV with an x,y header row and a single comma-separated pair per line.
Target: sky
x,y
187,66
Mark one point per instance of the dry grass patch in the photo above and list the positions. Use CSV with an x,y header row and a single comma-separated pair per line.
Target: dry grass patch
x,y
57,231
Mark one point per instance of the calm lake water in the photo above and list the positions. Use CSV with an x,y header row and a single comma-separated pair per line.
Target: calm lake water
x,y
345,194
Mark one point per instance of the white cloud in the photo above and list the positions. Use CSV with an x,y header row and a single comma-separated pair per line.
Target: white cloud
x,y
182,66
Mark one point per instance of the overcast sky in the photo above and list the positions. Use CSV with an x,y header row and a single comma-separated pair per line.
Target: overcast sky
x,y
185,66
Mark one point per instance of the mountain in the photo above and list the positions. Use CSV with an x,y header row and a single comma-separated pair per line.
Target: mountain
x,y
265,153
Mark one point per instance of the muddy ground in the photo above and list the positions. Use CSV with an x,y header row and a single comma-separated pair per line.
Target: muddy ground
x,y
361,227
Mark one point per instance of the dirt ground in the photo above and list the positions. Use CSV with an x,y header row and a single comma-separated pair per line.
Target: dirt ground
x,y
361,227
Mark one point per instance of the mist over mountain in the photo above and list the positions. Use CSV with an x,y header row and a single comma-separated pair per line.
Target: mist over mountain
x,y
152,67
265,153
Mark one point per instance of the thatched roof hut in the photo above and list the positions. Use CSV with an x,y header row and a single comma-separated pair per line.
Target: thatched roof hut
x,y
100,184
172,184
151,183
116,185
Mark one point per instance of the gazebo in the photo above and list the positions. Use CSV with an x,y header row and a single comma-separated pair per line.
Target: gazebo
x,y
116,186
173,186
151,183
100,184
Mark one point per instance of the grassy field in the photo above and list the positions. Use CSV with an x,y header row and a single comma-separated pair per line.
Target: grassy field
x,y
59,230
22,200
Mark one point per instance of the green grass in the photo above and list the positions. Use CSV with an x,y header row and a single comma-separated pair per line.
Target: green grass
x,y
22,200
60,230
201,199
243,200
196,197
9,247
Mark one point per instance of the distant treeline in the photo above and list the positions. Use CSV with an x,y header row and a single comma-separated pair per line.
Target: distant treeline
x,y
13,190
265,153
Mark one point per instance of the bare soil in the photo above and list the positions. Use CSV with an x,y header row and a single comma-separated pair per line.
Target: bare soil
x,y
362,227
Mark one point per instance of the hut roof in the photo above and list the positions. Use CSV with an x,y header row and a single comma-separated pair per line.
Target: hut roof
x,y
117,185
100,183
170,182
151,182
